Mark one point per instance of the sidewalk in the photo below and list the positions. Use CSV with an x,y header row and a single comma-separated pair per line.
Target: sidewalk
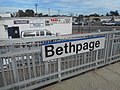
x,y
106,78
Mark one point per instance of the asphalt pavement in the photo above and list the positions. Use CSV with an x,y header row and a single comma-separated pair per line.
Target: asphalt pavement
x,y
89,29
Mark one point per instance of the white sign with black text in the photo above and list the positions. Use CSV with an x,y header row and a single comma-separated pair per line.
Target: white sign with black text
x,y
64,48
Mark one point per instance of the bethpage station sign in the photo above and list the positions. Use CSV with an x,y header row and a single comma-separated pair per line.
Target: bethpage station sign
x,y
64,48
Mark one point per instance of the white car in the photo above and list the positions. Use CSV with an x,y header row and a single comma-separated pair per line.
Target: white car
x,y
109,23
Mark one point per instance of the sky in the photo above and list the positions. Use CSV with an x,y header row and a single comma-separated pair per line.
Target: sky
x,y
66,7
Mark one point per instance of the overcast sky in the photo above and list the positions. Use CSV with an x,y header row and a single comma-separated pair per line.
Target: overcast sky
x,y
65,6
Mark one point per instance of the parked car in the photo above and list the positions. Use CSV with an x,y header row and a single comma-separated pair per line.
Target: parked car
x,y
117,23
83,23
80,23
110,23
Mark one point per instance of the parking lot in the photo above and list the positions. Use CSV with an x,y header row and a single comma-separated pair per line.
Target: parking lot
x,y
94,28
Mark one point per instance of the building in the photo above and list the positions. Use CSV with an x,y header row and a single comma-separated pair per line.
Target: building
x,y
5,15
12,27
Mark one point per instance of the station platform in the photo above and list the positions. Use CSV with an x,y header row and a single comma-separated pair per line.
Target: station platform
x,y
105,78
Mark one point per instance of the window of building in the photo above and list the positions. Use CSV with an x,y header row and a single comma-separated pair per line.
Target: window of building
x,y
37,33
29,34
48,33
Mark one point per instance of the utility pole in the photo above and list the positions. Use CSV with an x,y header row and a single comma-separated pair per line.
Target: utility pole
x,y
36,8
78,24
58,12
49,11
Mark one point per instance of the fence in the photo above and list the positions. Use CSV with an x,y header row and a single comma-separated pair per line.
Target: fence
x,y
22,67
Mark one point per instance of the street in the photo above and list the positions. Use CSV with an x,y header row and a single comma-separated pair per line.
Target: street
x,y
88,29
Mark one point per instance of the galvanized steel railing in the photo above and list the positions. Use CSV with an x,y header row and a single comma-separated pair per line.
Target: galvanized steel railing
x,y
21,66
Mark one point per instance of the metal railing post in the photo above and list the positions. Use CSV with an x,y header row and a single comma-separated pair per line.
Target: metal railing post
x,y
46,67
3,72
14,67
59,69
96,59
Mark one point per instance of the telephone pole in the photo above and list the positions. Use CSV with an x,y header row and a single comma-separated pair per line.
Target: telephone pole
x,y
36,5
58,12
49,11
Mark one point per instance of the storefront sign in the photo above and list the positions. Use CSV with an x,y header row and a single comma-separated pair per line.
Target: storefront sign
x,y
21,22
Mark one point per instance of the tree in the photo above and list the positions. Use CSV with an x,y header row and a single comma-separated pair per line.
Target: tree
x,y
80,18
29,13
12,14
40,15
113,13
95,15
116,13
46,15
107,14
20,13
102,15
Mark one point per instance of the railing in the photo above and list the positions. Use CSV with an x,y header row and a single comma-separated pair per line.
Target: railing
x,y
22,67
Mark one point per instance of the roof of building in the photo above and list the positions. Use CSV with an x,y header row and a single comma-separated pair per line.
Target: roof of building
x,y
5,15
